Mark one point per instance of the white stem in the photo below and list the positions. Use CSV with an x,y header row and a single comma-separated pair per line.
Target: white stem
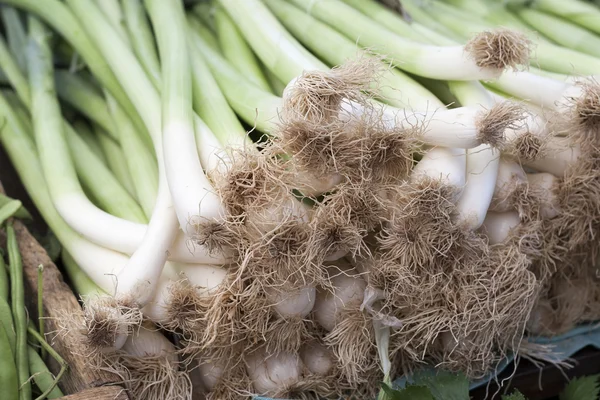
x,y
543,91
349,291
317,358
510,174
456,127
498,226
533,124
562,153
546,185
295,304
206,278
482,171
122,235
100,264
449,128
270,373
445,164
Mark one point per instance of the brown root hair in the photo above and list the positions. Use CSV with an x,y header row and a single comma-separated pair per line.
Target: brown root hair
x,y
499,49
252,181
584,113
318,96
106,318
493,123
353,344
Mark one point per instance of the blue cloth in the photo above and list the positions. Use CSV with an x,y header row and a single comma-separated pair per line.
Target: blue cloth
x,y
562,347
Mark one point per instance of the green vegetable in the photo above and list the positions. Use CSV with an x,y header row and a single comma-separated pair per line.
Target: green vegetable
x,y
8,371
49,386
19,312
42,376
21,212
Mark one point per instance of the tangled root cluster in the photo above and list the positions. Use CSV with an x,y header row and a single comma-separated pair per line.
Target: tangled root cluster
x,y
442,292
319,96
499,49
104,324
584,113
494,122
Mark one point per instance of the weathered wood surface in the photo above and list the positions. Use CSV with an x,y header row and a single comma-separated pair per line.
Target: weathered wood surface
x,y
102,393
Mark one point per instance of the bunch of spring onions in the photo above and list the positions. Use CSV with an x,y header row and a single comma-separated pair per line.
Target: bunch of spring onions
x,y
304,199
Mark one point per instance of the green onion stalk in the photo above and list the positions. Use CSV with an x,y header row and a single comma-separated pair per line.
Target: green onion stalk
x,y
77,199
436,127
236,50
447,63
548,56
58,15
131,233
576,11
95,181
146,354
571,104
179,139
162,232
529,143
569,153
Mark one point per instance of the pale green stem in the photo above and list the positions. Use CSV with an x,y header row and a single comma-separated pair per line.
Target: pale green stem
x,y
94,174
545,55
81,282
426,33
142,39
446,62
84,97
236,49
561,31
23,154
394,87
577,11
15,32
275,83
140,161
104,187
112,11
91,140
388,18
212,106
11,69
255,106
51,133
56,14
116,158
271,42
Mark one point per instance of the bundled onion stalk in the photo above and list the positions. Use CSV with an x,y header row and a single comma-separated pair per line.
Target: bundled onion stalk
x,y
360,229
563,191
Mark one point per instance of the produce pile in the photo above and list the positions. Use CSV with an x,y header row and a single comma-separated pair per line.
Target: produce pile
x,y
304,199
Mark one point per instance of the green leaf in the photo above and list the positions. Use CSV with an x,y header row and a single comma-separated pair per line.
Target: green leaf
x,y
20,211
409,393
584,388
515,396
443,385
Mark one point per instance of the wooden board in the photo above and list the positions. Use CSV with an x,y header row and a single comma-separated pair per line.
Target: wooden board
x,y
103,393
